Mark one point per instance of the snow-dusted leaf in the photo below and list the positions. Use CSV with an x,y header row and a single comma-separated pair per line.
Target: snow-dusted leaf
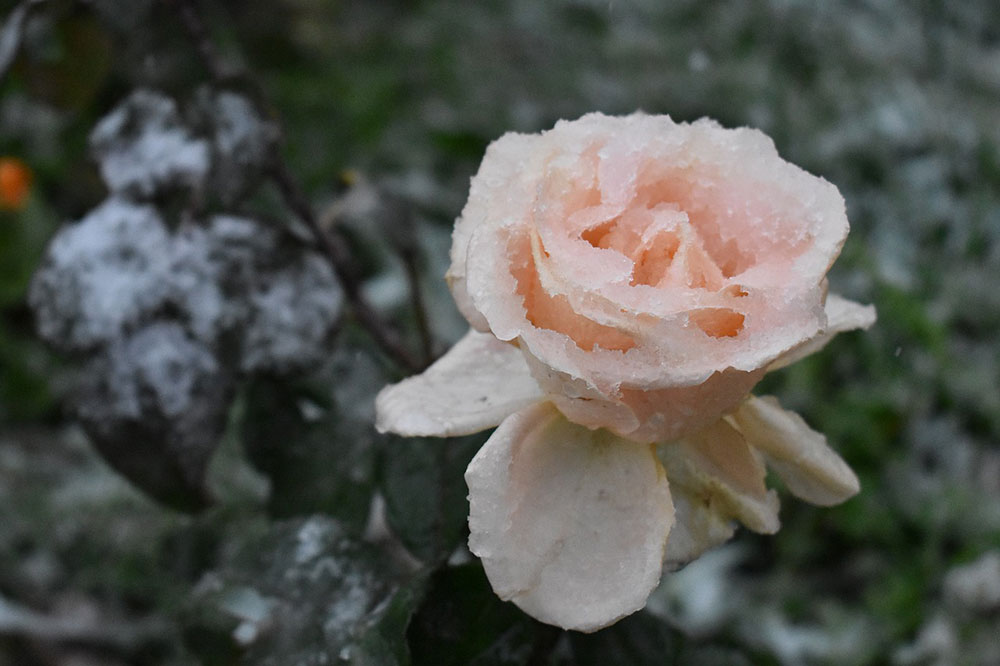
x,y
303,592
294,312
718,467
242,141
102,275
799,454
570,523
478,383
154,404
143,148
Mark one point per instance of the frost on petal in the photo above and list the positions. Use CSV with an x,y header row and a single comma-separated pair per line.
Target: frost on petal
x,y
717,466
570,523
697,528
841,315
800,455
475,386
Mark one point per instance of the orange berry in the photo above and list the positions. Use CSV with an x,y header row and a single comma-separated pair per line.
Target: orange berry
x,y
15,183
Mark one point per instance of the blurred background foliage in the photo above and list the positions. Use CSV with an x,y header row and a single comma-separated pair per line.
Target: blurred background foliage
x,y
895,102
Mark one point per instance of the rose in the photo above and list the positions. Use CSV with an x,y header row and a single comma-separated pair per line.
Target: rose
x,y
629,280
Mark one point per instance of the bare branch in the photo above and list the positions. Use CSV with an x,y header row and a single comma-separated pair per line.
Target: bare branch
x,y
333,246
419,310
330,242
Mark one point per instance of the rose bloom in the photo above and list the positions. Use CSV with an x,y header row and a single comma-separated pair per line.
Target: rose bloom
x,y
628,280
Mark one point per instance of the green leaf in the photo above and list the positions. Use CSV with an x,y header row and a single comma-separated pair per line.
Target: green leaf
x,y
463,623
422,481
638,639
315,441
642,639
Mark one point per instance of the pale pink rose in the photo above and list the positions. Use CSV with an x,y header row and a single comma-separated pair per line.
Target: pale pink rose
x,y
628,281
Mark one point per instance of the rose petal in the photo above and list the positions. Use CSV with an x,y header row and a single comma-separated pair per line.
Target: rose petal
x,y
841,315
697,528
476,385
718,466
570,523
799,454
500,187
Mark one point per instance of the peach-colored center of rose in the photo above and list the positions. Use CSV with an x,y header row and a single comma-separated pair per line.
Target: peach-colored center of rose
x,y
666,222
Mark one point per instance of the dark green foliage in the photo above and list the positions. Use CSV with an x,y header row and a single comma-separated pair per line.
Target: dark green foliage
x,y
425,493
305,593
316,443
461,622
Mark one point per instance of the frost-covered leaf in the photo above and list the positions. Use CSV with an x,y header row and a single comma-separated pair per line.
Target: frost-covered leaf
x,y
154,403
242,142
102,275
279,301
143,148
304,593
214,265
294,312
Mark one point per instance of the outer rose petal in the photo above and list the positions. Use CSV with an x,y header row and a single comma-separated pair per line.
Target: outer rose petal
x,y
698,528
841,315
476,385
504,162
570,523
718,466
799,454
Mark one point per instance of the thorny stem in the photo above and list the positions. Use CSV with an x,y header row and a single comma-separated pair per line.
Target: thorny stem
x,y
330,242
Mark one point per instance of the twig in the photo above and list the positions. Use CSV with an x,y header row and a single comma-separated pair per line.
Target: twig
x,y
339,256
419,310
198,34
331,243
